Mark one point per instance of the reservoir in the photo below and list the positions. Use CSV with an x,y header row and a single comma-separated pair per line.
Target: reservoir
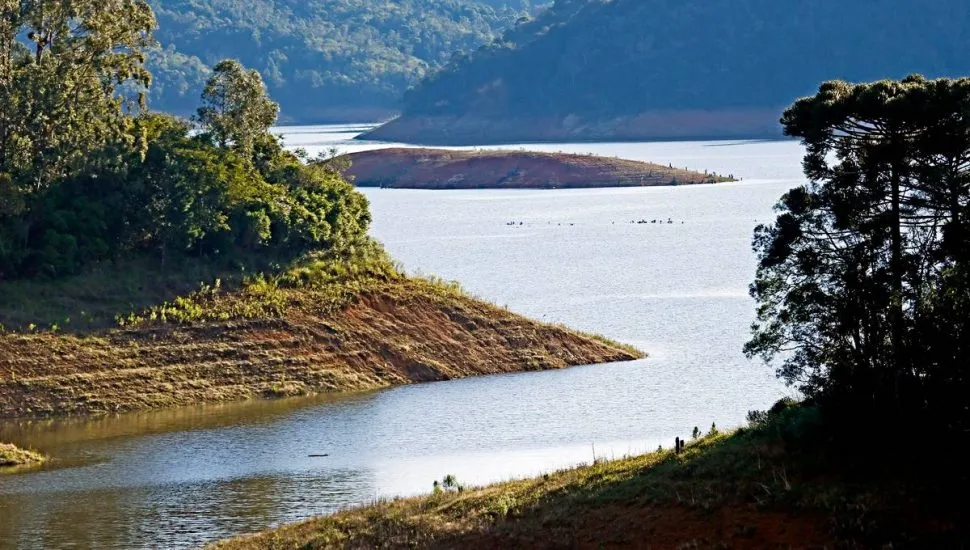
x,y
676,289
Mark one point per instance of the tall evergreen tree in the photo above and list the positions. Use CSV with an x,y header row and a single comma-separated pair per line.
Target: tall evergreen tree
x,y
853,273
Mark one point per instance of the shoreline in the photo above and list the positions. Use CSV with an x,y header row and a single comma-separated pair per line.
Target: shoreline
x,y
755,487
651,126
397,332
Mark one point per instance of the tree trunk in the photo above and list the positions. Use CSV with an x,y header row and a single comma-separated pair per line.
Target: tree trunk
x,y
896,273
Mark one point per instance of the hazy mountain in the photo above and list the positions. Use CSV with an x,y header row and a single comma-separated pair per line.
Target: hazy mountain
x,y
322,59
629,69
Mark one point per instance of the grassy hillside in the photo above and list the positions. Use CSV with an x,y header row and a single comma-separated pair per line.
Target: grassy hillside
x,y
100,343
322,59
588,69
780,484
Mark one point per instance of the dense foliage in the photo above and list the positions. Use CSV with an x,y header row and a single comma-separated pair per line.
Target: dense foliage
x,y
599,58
864,279
87,176
61,64
322,59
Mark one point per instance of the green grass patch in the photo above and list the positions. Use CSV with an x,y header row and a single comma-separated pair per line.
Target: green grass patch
x,y
632,350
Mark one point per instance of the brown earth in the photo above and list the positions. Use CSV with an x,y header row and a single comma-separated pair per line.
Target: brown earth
x,y
472,129
400,332
448,169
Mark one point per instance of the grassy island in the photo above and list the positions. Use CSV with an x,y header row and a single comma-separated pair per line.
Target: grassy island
x,y
11,455
407,168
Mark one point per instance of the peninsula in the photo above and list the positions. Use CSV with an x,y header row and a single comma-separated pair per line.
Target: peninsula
x,y
410,168
253,341
146,261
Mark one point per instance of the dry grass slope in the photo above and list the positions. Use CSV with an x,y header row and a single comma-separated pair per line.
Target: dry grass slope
x,y
272,341
766,487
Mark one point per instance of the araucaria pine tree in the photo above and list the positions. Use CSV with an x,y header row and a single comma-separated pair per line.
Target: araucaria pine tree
x,y
863,283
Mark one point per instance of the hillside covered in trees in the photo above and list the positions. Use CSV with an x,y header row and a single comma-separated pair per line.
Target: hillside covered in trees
x,y
321,59
191,261
634,69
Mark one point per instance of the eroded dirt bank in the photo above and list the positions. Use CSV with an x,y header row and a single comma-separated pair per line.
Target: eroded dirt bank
x,y
398,333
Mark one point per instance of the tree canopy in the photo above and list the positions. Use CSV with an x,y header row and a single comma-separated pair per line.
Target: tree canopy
x,y
88,176
236,110
322,59
63,67
864,279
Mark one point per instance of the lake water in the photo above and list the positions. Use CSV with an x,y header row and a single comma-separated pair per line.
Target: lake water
x,y
677,290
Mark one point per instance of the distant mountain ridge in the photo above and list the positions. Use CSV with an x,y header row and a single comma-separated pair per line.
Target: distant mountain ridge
x,y
323,60
640,69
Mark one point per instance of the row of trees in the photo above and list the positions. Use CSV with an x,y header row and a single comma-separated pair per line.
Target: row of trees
x,y
87,175
864,279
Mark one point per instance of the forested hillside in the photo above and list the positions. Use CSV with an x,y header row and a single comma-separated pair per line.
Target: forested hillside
x,y
642,68
322,59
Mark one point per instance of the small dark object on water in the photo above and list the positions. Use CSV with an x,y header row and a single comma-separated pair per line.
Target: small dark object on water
x,y
319,456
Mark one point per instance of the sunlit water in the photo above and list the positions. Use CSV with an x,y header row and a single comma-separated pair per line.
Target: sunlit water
x,y
677,290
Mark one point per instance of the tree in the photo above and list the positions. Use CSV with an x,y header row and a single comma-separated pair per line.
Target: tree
x,y
87,176
236,110
859,275
69,72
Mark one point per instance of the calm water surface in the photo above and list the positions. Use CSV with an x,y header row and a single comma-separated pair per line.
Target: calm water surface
x,y
677,290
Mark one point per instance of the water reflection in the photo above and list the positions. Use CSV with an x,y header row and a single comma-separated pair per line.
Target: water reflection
x,y
169,517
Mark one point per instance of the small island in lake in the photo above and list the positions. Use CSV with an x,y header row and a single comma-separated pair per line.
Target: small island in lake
x,y
11,455
410,168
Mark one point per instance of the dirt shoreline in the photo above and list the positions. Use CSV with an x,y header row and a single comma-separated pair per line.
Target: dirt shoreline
x,y
401,332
